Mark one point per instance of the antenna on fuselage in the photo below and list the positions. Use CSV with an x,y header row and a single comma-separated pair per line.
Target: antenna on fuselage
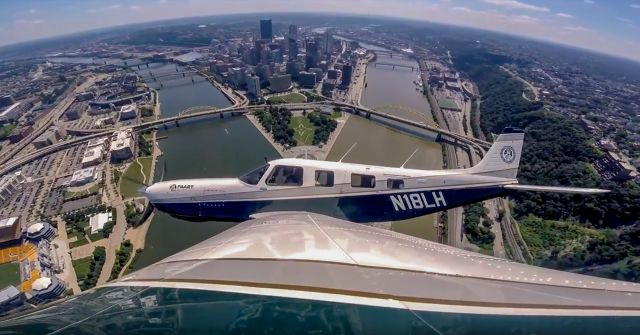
x,y
348,151
408,159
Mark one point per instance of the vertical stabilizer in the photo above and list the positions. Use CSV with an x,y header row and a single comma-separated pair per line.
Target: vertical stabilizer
x,y
503,158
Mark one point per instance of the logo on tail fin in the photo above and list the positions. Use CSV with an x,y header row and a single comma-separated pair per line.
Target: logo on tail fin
x,y
508,154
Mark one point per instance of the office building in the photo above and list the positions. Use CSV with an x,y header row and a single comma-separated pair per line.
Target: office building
x,y
332,74
347,70
92,156
98,142
292,69
84,176
253,87
318,72
293,31
307,79
10,229
128,112
328,85
312,54
292,42
327,40
49,137
280,83
7,100
266,30
122,145
85,96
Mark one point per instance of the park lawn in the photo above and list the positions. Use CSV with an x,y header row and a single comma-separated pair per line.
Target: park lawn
x,y
73,233
6,130
148,136
133,179
303,128
148,118
81,266
9,274
289,98
336,115
90,191
82,240
146,166
97,236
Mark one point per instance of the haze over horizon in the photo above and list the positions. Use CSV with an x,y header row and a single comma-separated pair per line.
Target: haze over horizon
x,y
604,26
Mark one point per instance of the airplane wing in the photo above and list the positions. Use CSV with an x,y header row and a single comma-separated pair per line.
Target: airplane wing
x,y
308,273
555,189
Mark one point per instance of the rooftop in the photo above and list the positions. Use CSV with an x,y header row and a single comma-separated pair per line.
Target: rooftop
x,y
41,283
8,222
9,109
97,221
34,228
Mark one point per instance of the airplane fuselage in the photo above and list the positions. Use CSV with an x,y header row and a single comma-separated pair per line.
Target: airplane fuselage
x,y
359,193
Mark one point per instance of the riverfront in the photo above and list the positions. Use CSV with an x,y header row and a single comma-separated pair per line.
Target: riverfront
x,y
232,146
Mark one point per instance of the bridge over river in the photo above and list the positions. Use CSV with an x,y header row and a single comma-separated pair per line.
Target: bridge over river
x,y
203,111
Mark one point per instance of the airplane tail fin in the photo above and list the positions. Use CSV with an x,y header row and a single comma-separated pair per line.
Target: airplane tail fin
x,y
503,158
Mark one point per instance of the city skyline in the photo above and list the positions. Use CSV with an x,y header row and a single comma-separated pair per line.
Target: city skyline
x,y
596,25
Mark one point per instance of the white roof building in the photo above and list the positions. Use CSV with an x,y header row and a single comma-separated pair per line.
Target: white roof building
x,y
9,229
41,283
122,145
9,184
98,142
35,228
84,176
97,221
92,156
128,112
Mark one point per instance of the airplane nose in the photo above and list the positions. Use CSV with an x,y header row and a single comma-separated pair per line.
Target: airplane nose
x,y
143,191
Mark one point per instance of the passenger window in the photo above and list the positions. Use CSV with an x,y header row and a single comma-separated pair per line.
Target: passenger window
x,y
395,184
363,180
324,178
285,176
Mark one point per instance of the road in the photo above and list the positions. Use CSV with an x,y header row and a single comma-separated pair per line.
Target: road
x,y
511,233
44,123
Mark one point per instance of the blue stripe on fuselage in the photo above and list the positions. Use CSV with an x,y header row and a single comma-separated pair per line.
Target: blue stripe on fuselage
x,y
365,208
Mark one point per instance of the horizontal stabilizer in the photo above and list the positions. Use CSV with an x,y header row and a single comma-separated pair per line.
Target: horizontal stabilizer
x,y
555,189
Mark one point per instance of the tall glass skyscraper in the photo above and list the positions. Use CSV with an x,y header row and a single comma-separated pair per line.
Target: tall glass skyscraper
x,y
266,30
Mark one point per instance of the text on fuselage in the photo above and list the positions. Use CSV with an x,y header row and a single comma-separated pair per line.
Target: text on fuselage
x,y
176,187
418,200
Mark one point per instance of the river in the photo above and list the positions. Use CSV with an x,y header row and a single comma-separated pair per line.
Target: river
x,y
231,146
394,92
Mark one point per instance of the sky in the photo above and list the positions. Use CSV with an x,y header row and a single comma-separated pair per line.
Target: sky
x,y
609,26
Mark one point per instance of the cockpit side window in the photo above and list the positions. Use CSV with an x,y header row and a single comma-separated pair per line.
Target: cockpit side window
x,y
285,176
395,184
253,177
363,180
324,178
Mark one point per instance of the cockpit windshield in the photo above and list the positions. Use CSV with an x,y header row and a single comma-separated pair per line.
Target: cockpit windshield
x,y
253,177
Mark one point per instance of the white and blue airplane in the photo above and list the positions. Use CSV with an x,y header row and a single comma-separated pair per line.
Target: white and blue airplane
x,y
357,192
